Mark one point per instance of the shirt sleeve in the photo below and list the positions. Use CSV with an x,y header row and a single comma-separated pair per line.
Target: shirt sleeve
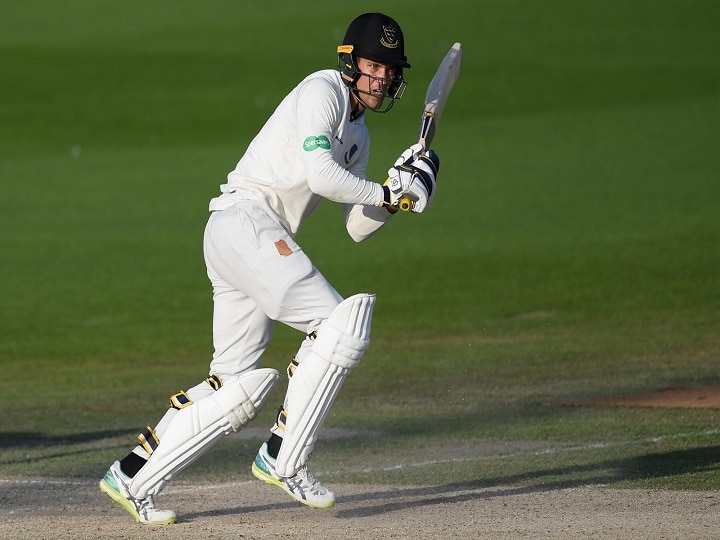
x,y
362,222
318,116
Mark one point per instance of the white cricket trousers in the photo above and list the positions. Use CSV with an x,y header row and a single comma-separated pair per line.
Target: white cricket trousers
x,y
259,275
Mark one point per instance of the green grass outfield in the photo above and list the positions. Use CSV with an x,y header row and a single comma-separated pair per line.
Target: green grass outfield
x,y
572,252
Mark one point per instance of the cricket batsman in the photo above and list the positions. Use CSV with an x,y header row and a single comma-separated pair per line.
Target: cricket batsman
x,y
314,146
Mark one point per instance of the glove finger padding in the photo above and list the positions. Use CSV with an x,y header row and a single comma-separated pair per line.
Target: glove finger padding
x,y
433,161
408,155
426,168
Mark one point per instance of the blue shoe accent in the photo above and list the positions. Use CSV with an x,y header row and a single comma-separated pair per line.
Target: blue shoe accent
x,y
302,487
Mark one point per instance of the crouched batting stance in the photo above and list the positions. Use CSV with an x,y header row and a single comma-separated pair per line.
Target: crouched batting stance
x,y
314,146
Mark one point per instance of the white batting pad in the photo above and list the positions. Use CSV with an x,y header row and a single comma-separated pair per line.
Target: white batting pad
x,y
198,426
340,344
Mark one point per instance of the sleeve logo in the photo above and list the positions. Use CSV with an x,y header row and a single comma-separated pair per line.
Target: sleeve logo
x,y
313,143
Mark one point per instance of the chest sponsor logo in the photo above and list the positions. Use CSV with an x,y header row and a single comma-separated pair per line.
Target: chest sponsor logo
x,y
350,153
313,143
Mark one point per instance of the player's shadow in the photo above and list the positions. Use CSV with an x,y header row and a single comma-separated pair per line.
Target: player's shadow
x,y
607,473
46,447
20,439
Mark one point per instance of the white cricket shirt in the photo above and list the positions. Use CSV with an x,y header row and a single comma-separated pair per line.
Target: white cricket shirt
x,y
309,149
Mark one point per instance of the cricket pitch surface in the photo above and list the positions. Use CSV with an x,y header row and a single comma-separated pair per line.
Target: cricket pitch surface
x,y
251,510
76,509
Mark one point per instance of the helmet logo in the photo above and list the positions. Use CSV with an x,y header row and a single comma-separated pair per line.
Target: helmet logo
x,y
389,38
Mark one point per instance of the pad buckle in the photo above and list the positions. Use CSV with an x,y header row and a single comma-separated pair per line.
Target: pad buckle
x,y
180,400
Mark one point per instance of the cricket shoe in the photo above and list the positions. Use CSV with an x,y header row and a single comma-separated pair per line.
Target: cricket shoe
x,y
116,485
302,487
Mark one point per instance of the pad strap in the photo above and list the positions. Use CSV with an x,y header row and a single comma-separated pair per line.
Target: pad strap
x,y
148,440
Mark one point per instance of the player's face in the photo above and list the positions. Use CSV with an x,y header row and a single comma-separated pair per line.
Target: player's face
x,y
375,80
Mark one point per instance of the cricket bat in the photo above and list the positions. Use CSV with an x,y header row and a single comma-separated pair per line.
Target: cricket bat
x,y
435,99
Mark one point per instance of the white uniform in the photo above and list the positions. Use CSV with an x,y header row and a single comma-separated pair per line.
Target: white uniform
x,y
309,149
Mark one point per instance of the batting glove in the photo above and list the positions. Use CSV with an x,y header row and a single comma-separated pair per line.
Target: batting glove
x,y
414,180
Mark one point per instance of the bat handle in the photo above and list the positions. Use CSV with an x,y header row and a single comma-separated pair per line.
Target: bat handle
x,y
406,202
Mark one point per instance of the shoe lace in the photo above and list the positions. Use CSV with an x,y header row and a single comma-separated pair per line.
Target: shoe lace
x,y
145,506
307,478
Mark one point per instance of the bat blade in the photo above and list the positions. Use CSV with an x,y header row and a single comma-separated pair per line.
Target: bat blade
x,y
438,92
435,98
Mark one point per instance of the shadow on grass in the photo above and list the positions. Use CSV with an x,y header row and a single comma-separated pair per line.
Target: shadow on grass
x,y
18,448
20,440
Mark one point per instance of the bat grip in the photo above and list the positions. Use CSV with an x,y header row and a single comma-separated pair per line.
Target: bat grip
x,y
405,204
